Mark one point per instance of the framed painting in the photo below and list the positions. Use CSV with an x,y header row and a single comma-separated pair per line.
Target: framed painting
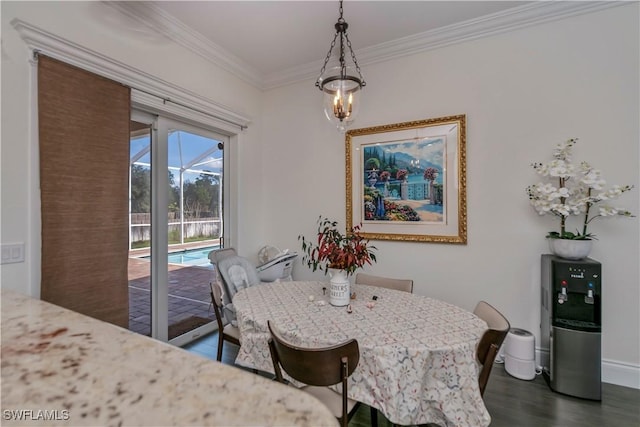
x,y
407,181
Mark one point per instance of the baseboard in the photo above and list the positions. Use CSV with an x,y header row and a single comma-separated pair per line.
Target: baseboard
x,y
620,373
613,371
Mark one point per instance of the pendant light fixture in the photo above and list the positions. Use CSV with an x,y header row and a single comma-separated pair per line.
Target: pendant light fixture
x,y
339,84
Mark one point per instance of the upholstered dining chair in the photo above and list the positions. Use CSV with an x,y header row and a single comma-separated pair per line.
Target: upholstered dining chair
x,y
490,341
318,368
225,332
405,285
234,274
217,255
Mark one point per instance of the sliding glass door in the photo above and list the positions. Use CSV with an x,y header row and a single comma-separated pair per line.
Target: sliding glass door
x,y
176,219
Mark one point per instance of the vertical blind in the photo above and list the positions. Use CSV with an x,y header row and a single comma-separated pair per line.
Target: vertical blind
x,y
84,179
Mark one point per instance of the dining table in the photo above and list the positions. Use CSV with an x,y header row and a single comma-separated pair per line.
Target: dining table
x,y
417,354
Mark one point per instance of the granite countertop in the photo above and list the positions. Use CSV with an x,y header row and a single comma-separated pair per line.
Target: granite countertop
x,y
62,368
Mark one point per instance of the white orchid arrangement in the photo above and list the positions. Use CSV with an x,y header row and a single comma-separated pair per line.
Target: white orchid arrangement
x,y
579,189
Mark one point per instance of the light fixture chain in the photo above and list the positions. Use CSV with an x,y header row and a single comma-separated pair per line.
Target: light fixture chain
x,y
326,60
343,67
353,57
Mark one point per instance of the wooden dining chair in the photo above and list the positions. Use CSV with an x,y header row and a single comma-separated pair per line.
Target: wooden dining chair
x,y
490,341
225,332
405,285
318,368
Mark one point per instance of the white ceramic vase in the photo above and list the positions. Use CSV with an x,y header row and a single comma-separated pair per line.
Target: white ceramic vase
x,y
570,249
339,292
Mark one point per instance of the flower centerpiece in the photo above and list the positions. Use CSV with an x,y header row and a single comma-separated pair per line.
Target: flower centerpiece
x,y
338,254
573,190
334,250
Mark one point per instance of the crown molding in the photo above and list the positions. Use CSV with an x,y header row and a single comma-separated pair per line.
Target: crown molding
x,y
147,89
166,24
534,13
537,12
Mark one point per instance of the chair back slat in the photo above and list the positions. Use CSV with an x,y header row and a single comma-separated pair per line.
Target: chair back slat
x,y
490,341
493,317
315,366
405,285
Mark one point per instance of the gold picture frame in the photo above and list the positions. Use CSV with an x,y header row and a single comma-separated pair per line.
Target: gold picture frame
x,y
407,181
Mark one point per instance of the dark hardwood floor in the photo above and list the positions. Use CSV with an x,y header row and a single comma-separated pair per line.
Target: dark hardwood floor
x,y
510,401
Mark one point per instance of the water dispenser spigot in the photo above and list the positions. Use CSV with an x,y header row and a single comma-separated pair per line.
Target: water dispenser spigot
x,y
588,299
562,296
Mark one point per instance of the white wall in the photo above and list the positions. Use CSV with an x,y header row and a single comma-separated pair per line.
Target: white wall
x,y
522,92
104,30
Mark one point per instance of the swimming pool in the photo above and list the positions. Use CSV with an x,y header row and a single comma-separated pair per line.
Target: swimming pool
x,y
197,256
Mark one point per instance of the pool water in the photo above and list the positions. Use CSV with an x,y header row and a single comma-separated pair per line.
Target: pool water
x,y
198,257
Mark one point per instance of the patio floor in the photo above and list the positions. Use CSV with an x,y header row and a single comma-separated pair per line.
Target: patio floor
x,y
188,293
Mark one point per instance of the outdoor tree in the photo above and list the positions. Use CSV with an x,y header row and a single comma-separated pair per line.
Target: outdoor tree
x,y
201,196
140,189
174,194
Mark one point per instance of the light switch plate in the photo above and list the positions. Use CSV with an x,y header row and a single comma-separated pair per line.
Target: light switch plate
x,y
12,253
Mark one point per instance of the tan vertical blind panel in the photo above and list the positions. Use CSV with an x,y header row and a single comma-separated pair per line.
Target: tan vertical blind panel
x,y
84,179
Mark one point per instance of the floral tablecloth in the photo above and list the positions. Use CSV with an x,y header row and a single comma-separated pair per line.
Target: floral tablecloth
x,y
417,361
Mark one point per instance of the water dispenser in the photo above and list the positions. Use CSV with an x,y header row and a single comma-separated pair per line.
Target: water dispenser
x,y
571,325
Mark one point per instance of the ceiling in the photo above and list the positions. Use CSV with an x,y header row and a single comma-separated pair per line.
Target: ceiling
x,y
273,36
271,43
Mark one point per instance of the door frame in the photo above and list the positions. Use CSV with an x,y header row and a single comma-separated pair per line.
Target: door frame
x,y
160,127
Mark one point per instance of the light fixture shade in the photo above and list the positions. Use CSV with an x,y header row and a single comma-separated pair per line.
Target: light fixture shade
x,y
341,84
341,96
